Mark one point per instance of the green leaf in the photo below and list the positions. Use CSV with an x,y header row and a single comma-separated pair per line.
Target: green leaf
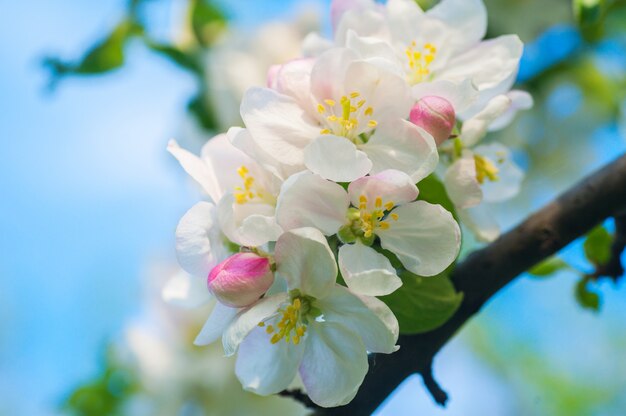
x,y
432,190
597,246
423,303
207,21
104,56
548,267
585,297
200,108
590,15
184,59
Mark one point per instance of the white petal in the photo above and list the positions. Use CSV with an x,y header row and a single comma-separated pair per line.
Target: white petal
x,y
467,17
461,95
390,185
369,317
220,319
339,7
334,364
488,65
481,222
305,260
461,184
278,124
222,160
401,145
476,127
329,73
247,319
197,169
315,44
426,238
366,271
250,224
510,176
336,158
520,100
199,245
265,368
307,200
375,51
384,90
273,171
185,291
365,22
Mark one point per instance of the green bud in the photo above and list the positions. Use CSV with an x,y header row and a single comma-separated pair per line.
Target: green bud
x,y
346,234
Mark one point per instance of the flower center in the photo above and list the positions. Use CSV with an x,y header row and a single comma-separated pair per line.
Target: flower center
x,y
348,117
485,169
250,189
369,221
293,321
419,61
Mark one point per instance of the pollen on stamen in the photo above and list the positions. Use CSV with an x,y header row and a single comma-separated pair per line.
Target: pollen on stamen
x,y
330,102
389,205
379,202
372,123
394,216
369,111
321,109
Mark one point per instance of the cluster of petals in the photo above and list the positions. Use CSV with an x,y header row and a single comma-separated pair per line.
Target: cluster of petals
x,y
321,182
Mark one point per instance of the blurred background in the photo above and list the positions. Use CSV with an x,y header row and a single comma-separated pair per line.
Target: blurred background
x,y
90,93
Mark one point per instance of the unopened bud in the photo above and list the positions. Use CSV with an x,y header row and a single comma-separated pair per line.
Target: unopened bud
x,y
241,279
435,115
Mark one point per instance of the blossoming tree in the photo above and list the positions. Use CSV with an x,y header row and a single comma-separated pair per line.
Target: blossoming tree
x,y
335,214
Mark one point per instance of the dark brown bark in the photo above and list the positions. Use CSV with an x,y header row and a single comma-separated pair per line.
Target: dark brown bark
x,y
594,199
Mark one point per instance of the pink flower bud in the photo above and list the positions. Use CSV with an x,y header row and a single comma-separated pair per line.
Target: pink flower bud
x,y
241,279
435,115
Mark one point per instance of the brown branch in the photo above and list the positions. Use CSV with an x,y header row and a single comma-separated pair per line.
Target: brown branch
x,y
484,272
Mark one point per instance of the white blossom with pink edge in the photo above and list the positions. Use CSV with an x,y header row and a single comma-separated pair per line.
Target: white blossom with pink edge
x,y
425,237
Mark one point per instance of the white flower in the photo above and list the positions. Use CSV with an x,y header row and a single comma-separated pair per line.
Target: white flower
x,y
319,329
340,117
244,192
480,174
425,237
440,52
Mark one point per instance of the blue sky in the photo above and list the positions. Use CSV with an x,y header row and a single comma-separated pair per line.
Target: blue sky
x,y
90,198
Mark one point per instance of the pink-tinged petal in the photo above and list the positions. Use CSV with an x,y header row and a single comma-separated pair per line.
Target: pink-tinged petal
x,y
390,185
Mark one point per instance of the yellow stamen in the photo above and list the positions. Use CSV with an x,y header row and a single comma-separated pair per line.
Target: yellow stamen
x,y
485,169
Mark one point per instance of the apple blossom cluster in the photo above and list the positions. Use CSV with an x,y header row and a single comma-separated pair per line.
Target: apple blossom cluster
x,y
315,205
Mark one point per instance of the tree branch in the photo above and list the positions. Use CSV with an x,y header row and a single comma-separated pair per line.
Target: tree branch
x,y
484,272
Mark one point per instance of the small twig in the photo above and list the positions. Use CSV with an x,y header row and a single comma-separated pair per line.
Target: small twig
x,y
299,396
439,395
